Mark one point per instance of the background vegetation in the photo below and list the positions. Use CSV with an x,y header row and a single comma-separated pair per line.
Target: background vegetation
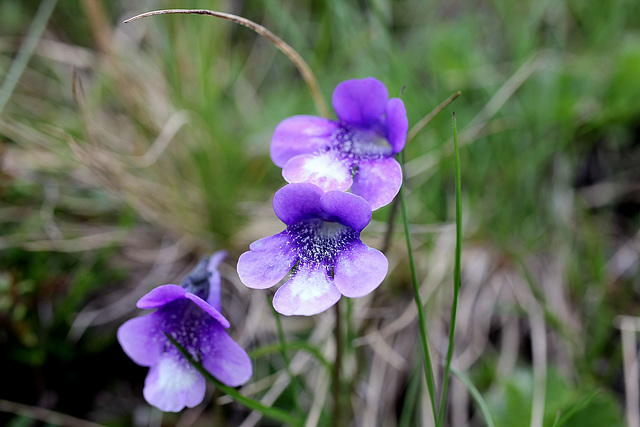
x,y
129,150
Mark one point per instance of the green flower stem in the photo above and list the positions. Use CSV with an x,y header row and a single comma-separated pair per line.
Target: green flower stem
x,y
254,405
287,362
349,350
349,332
337,371
428,369
456,280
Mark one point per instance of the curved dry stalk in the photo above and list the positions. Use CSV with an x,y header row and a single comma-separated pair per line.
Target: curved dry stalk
x,y
291,53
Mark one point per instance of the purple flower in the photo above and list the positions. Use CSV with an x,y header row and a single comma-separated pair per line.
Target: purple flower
x,y
354,152
191,315
322,241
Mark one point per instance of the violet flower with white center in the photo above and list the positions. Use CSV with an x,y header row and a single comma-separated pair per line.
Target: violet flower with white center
x,y
190,314
322,241
354,152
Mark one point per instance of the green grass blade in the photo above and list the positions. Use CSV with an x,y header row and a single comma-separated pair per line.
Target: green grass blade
x,y
560,420
26,50
484,408
428,369
456,279
254,405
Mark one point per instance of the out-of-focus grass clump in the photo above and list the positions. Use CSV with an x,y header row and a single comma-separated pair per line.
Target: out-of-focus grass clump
x,y
129,150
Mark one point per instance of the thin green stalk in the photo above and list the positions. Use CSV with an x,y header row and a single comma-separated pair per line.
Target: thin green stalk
x,y
287,362
349,331
484,408
349,350
26,50
337,371
293,345
428,368
254,405
456,279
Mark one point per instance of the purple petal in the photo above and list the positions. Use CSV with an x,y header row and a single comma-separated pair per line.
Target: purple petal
x,y
310,291
360,102
378,181
160,296
347,209
359,270
208,309
326,170
141,339
300,135
215,280
173,383
269,260
397,124
225,359
295,202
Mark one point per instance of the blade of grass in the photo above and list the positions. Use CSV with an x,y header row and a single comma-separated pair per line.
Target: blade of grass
x,y
484,408
560,420
291,53
254,405
456,279
428,368
26,50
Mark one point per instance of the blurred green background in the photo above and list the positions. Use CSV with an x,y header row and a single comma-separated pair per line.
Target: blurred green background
x,y
129,150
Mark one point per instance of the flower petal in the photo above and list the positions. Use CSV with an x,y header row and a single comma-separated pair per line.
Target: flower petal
x,y
378,181
310,291
300,135
141,339
173,383
224,358
397,124
211,311
326,170
359,270
268,261
295,202
160,296
360,102
215,280
346,208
